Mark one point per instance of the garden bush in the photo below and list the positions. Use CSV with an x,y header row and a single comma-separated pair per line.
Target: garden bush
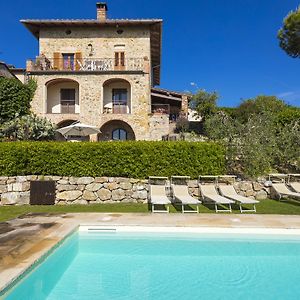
x,y
15,98
114,159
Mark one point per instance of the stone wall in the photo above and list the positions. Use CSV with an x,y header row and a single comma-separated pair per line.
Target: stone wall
x,y
159,126
90,190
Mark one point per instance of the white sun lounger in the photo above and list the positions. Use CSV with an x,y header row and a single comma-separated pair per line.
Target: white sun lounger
x,y
230,192
181,194
209,193
295,186
158,196
282,191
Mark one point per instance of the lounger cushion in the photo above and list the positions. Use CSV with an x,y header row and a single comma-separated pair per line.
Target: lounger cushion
x,y
295,186
158,195
281,189
229,192
181,194
210,192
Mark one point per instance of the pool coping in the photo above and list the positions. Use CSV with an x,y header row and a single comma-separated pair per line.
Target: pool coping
x,y
223,224
188,229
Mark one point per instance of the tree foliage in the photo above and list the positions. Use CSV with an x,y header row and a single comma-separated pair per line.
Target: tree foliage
x,y
289,34
182,124
26,128
259,105
204,103
15,98
256,146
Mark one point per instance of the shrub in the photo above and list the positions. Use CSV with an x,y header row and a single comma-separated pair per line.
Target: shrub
x,y
289,115
268,105
116,159
15,98
27,128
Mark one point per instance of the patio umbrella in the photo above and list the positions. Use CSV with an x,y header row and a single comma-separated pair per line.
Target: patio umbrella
x,y
78,129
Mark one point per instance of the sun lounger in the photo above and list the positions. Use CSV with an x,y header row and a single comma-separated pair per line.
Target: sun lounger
x,y
282,191
158,196
181,194
209,193
230,192
295,186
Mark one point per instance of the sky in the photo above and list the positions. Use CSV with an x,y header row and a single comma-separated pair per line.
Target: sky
x,y
227,46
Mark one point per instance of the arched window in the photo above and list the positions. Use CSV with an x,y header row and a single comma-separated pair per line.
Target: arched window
x,y
119,135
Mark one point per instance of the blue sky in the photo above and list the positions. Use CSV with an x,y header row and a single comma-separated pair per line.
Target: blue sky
x,y
228,46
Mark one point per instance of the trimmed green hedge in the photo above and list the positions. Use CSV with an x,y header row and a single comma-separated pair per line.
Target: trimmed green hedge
x,y
115,159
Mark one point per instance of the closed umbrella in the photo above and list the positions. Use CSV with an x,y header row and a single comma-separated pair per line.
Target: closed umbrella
x,y
78,129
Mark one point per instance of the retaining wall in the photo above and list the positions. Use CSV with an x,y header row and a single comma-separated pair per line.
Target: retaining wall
x,y
90,190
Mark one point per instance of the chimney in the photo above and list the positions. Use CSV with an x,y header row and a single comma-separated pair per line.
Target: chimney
x,y
101,11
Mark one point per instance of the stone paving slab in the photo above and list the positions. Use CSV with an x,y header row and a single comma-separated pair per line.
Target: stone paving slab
x,y
26,239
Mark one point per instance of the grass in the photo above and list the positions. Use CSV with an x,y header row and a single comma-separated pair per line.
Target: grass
x,y
289,207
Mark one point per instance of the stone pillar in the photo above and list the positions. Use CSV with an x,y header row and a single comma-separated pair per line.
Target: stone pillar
x,y
184,105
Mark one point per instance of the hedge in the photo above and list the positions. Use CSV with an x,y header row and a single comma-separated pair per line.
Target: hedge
x,y
137,159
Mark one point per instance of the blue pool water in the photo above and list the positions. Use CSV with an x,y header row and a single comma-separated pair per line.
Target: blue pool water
x,y
165,266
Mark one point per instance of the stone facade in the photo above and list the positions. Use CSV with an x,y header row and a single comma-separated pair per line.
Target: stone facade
x,y
91,92
92,190
93,58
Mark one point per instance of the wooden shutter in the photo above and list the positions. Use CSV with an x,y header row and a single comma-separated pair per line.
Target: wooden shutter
x,y
116,59
122,59
57,60
78,60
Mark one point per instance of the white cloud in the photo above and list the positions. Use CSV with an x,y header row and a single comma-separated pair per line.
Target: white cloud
x,y
290,97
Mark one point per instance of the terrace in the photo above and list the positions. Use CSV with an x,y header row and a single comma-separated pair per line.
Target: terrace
x,y
72,63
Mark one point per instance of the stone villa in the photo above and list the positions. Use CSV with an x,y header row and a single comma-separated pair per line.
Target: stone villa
x,y
103,72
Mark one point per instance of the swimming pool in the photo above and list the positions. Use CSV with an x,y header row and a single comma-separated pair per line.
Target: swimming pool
x,y
123,265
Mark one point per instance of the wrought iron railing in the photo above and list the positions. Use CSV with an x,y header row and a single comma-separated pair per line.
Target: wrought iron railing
x,y
43,63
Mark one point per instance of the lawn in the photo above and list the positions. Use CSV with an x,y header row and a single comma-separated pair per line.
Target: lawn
x,y
289,207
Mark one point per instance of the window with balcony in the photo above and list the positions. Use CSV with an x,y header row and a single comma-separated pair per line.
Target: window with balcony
x,y
119,60
67,101
68,61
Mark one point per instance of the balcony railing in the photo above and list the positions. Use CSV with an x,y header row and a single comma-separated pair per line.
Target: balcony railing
x,y
67,109
42,63
116,109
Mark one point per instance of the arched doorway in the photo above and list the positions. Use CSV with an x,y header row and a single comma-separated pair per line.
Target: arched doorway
x,y
116,130
62,96
116,96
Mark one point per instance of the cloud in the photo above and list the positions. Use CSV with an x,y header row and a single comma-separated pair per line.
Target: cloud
x,y
285,94
290,97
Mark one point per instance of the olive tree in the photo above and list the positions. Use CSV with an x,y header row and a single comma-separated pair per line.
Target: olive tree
x,y
204,103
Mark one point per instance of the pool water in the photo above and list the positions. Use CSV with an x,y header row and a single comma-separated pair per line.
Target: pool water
x,y
165,266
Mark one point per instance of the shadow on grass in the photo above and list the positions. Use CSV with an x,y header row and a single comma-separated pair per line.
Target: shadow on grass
x,y
187,208
289,201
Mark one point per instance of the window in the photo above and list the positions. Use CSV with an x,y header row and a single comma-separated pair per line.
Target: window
x,y
67,101
119,135
119,100
120,59
68,61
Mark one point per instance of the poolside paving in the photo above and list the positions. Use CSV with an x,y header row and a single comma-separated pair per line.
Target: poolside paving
x,y
26,239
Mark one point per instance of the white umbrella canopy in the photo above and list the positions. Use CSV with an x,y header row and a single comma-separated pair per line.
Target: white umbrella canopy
x,y
78,129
